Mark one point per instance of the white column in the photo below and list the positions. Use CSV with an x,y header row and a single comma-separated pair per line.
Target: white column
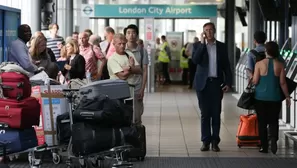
x,y
35,13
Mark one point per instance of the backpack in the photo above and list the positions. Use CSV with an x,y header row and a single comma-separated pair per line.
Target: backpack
x,y
258,56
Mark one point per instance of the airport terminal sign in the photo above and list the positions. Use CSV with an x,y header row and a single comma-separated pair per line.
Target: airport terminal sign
x,y
154,11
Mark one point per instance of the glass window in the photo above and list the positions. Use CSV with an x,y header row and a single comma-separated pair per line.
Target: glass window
x,y
119,24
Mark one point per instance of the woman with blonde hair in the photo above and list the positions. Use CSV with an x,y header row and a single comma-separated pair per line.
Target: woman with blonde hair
x,y
40,57
75,66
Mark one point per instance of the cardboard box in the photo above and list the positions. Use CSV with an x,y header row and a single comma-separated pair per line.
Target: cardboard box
x,y
53,104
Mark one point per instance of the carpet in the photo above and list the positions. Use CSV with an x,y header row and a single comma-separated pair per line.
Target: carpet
x,y
193,162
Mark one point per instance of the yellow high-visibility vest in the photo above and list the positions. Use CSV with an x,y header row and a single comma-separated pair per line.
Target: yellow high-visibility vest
x,y
183,62
163,57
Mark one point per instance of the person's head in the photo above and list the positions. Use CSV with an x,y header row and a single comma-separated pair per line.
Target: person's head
x,y
140,43
131,33
72,48
38,45
95,40
163,38
53,28
158,40
186,45
38,33
83,39
119,42
75,35
69,38
209,29
24,32
109,33
259,37
272,49
196,39
89,31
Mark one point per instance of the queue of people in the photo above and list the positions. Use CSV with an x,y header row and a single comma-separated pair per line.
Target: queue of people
x,y
120,56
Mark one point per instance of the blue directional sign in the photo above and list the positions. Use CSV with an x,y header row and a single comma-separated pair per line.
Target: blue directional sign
x,y
152,11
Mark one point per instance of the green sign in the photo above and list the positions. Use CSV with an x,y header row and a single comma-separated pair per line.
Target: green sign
x,y
153,11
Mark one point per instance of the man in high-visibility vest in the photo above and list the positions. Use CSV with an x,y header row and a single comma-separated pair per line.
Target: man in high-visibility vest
x,y
164,58
183,63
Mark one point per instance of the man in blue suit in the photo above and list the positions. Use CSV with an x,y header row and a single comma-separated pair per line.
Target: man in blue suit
x,y
213,78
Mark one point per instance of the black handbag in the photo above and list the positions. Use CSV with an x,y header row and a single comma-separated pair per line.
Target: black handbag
x,y
247,98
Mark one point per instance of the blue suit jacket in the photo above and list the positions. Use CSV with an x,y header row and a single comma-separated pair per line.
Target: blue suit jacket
x,y
200,58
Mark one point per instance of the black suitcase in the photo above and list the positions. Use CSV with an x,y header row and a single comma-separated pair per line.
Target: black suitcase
x,y
89,139
63,129
138,152
103,111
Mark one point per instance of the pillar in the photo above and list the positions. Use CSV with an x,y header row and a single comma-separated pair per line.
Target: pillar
x,y
255,21
294,31
173,25
69,17
106,20
230,34
137,23
283,29
35,16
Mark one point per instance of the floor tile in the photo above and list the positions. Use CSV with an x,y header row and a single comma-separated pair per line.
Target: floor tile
x,y
173,125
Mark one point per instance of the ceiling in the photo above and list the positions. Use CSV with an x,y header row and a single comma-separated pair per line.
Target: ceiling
x,y
157,1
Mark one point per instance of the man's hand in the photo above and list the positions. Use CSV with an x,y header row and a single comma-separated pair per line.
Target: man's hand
x,y
202,38
141,94
68,67
225,88
126,68
131,61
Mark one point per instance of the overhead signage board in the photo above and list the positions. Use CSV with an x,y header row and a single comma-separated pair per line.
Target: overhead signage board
x,y
148,10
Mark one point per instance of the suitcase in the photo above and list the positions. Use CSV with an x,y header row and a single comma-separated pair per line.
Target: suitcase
x,y
248,134
103,111
89,139
18,139
63,129
20,114
15,85
139,151
113,88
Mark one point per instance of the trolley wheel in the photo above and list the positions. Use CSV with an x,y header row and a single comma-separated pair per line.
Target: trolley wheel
x,y
57,159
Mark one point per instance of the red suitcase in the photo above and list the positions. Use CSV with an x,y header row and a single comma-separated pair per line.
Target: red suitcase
x,y
20,114
15,85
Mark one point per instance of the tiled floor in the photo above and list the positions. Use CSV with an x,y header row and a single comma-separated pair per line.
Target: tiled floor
x,y
172,120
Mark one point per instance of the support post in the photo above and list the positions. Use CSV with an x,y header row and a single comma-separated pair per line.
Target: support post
x,y
283,29
69,17
230,35
35,15
256,21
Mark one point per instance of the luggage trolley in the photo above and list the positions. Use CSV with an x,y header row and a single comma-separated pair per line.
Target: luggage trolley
x,y
34,162
96,159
